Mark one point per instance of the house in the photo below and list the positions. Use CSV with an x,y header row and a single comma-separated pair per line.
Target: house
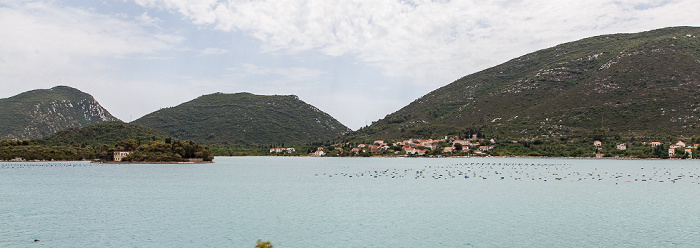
x,y
599,155
361,145
375,149
461,142
378,142
671,152
680,144
119,155
278,150
319,148
448,149
318,153
689,152
597,143
485,148
655,144
622,147
430,143
410,150
355,150
421,152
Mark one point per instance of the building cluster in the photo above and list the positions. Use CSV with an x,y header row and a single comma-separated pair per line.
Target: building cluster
x,y
422,146
411,147
681,145
671,150
282,150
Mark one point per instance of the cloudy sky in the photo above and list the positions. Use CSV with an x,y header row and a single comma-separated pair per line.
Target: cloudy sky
x,y
357,60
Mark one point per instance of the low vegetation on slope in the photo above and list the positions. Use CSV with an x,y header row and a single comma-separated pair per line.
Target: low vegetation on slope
x,y
246,119
632,85
103,133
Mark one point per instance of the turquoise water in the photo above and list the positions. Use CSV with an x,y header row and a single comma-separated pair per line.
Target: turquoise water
x,y
338,202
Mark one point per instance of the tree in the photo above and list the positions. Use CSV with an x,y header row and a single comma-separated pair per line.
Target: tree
x,y
263,244
458,146
127,145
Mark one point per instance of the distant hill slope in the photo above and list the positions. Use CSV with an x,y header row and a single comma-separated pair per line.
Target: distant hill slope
x,y
103,133
245,118
640,84
39,113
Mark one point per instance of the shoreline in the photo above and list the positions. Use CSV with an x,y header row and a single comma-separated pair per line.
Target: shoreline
x,y
102,162
392,157
147,162
526,157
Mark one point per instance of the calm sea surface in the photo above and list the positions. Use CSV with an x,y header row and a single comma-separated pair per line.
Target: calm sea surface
x,y
353,202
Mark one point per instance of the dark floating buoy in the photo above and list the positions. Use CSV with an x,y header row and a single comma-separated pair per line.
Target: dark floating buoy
x,y
36,240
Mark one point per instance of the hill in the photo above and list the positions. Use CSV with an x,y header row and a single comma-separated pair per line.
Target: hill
x,y
633,85
42,112
104,133
245,118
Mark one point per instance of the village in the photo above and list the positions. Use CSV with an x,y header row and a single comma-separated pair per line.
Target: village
x,y
473,146
411,147
677,150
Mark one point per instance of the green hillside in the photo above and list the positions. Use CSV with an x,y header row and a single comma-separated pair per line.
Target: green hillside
x,y
104,133
39,113
245,118
634,85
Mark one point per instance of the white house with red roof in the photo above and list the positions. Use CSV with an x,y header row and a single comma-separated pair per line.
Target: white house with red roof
x,y
318,153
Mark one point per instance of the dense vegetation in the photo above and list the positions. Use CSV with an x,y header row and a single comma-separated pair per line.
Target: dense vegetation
x,y
643,85
43,112
103,133
167,150
245,119
164,151
25,150
100,141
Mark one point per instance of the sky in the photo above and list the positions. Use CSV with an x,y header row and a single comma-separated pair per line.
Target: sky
x,y
358,60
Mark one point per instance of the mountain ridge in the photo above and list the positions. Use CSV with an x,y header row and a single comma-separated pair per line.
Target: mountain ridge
x,y
245,118
43,112
620,83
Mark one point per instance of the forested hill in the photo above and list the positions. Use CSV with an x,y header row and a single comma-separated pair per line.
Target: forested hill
x,y
245,118
634,85
43,112
106,133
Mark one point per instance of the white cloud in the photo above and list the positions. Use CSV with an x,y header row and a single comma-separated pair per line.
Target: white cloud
x,y
214,51
277,76
45,44
429,40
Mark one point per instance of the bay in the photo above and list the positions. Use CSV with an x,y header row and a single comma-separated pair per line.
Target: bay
x,y
352,202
